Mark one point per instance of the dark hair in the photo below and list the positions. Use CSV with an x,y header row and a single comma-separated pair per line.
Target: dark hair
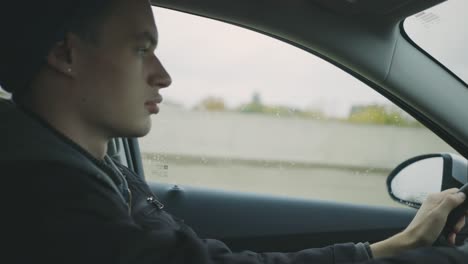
x,y
84,20
87,19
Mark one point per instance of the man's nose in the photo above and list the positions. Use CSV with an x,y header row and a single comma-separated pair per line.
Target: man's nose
x,y
159,77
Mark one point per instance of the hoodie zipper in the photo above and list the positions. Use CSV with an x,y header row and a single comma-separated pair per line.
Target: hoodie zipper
x,y
150,199
129,201
153,201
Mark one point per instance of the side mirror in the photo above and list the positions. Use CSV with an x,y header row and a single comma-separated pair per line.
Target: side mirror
x,y
414,179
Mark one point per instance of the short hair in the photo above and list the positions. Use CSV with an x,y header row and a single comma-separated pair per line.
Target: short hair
x,y
30,28
86,22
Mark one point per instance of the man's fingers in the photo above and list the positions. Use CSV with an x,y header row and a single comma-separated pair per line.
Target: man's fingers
x,y
452,238
450,191
439,197
452,200
459,225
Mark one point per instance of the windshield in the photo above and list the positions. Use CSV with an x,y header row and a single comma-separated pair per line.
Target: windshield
x,y
441,31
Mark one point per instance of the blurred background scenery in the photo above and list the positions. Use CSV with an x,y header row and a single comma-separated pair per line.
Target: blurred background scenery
x,y
249,113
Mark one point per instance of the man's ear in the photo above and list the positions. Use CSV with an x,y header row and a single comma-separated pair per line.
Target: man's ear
x,y
61,57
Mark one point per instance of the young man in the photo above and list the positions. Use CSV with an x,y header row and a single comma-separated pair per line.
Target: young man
x,y
81,73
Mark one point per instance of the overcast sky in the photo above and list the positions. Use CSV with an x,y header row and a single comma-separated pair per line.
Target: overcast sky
x,y
210,58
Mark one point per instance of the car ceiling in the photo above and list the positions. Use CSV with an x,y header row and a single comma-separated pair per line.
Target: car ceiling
x,y
391,8
319,26
362,37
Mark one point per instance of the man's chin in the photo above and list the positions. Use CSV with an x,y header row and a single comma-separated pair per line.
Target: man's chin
x,y
138,131
143,131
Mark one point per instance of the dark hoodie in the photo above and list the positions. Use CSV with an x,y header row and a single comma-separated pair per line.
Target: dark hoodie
x,y
61,205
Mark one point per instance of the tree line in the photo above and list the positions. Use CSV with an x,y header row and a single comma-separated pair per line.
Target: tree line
x,y
375,114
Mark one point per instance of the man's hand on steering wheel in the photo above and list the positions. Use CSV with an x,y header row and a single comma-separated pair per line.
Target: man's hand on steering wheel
x,y
426,226
431,218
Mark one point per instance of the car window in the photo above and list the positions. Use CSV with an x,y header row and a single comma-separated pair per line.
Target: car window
x,y
249,113
440,31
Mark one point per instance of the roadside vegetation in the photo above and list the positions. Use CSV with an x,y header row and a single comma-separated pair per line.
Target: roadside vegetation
x,y
372,114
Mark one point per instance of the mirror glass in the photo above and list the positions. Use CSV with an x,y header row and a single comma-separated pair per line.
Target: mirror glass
x,y
414,182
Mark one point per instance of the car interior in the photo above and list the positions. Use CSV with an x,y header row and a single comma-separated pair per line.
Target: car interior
x,y
364,38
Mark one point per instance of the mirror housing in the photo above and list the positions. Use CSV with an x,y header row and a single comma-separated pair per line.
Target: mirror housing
x,y
411,181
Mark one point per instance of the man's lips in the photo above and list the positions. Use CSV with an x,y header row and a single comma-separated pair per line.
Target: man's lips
x,y
152,105
156,100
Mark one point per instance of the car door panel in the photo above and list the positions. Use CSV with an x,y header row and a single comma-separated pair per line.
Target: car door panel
x,y
270,223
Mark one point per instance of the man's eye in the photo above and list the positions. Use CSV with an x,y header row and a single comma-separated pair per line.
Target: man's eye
x,y
143,51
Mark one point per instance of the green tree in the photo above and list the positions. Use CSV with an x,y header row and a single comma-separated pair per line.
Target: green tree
x,y
212,104
255,105
381,115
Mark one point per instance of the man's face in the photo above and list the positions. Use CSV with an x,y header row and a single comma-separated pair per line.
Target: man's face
x,y
119,78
